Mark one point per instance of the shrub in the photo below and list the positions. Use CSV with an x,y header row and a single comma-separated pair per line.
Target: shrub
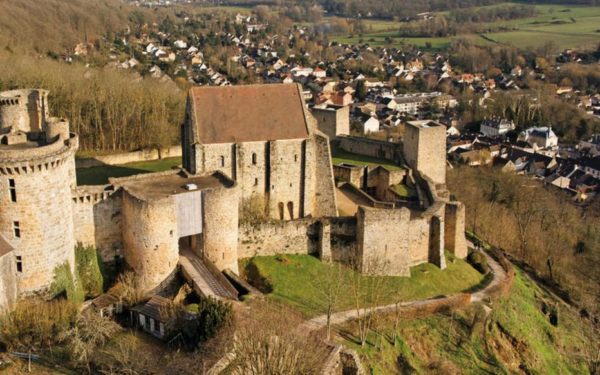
x,y
65,282
36,324
89,270
479,262
212,315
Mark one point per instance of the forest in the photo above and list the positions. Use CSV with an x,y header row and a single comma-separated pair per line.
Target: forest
x,y
536,225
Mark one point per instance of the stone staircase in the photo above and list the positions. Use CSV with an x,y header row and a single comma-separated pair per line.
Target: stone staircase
x,y
205,278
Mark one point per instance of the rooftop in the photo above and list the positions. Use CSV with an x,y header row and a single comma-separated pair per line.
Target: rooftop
x,y
155,186
248,113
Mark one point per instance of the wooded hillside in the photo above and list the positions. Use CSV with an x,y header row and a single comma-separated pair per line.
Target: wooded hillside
x,y
58,24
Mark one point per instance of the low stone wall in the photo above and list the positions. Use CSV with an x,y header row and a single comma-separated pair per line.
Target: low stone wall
x,y
129,157
343,239
278,237
371,147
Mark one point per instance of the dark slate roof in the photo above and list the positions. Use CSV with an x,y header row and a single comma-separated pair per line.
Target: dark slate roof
x,y
153,307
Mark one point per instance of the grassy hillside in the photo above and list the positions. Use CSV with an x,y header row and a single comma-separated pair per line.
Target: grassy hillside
x,y
294,280
516,336
58,24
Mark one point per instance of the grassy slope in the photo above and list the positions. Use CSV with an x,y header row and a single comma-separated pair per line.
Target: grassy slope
x,y
532,32
100,175
293,279
449,344
341,156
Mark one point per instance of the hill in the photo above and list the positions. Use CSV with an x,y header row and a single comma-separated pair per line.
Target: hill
x,y
53,25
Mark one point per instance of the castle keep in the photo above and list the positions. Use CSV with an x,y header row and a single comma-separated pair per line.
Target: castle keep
x,y
242,146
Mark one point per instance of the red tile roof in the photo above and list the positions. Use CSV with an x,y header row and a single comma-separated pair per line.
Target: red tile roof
x,y
231,114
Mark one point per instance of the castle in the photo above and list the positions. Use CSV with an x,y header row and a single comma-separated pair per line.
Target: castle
x,y
242,146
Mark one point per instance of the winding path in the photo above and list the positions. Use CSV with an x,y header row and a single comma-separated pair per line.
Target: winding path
x,y
499,277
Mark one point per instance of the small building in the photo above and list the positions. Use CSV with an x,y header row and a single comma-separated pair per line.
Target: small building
x,y
152,317
541,137
496,126
371,125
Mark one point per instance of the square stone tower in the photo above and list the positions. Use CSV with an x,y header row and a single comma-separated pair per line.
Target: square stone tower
x,y
425,149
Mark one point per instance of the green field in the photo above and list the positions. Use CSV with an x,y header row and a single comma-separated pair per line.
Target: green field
x,y
293,280
516,336
567,26
100,175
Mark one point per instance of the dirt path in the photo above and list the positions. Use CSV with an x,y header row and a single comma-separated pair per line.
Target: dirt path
x,y
345,316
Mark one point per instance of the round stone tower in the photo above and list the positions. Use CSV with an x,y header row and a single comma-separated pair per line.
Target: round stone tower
x,y
37,172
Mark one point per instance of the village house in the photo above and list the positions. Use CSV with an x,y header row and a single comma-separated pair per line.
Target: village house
x,y
496,126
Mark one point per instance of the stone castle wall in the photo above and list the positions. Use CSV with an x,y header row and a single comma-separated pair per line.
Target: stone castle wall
x,y
42,177
129,157
454,234
151,243
287,183
97,220
325,199
424,150
8,280
371,147
332,121
278,237
220,227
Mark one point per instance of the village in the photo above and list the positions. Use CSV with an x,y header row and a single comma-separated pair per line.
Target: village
x,y
382,88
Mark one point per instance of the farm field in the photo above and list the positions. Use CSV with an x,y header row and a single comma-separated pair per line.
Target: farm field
x,y
567,26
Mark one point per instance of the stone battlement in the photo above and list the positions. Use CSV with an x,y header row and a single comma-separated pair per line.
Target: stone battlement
x,y
28,159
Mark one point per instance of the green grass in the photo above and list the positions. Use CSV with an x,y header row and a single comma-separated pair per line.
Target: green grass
x,y
467,342
552,24
293,281
100,175
341,156
404,190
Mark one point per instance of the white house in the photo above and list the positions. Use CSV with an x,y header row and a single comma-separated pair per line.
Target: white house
x,y
371,125
542,137
496,126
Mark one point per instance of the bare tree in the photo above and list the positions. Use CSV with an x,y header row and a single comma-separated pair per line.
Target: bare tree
x,y
268,342
328,286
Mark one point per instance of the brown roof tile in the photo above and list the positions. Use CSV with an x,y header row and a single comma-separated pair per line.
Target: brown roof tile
x,y
248,113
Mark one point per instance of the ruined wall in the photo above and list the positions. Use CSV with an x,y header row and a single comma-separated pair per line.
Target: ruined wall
x,y
424,150
43,211
454,232
8,280
220,227
24,110
325,203
371,147
150,238
97,220
278,237
333,120
352,174
343,239
418,237
383,241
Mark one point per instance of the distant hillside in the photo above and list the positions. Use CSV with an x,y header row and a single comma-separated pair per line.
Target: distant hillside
x,y
57,24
